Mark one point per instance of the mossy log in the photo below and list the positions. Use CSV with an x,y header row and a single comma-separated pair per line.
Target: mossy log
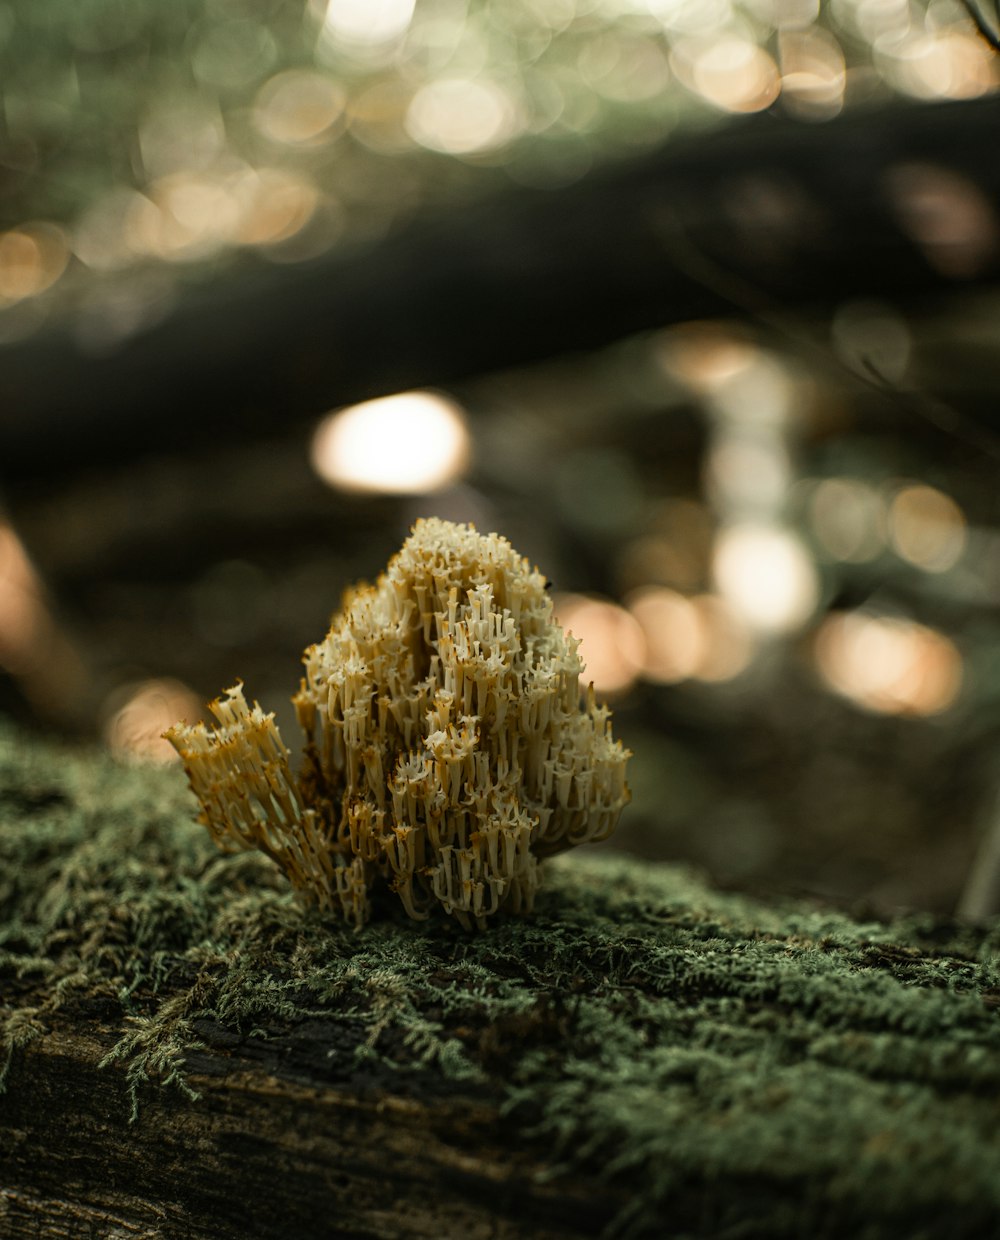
x,y
187,1051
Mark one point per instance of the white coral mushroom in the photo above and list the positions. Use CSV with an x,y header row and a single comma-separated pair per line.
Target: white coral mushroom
x,y
447,749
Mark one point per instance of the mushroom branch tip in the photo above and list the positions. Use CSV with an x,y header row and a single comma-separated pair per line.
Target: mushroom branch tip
x,y
448,748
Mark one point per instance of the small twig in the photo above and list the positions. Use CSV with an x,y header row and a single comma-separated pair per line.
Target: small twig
x,y
937,413
755,305
987,32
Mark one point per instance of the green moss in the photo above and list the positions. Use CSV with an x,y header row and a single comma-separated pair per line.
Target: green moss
x,y
660,1033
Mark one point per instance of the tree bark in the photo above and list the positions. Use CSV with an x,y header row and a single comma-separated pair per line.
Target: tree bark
x,y
268,1149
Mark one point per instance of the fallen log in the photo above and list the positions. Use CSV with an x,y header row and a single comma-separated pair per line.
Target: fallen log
x,y
188,1052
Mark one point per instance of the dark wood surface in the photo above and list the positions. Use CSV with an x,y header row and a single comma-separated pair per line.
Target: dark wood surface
x,y
269,1149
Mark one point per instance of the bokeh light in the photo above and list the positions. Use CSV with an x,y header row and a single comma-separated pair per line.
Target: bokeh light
x,y
888,665
196,214
949,217
847,518
729,643
461,116
181,132
176,109
813,73
927,528
706,356
731,73
230,55
674,632
405,444
690,638
624,69
139,714
755,391
300,108
23,614
274,205
766,575
611,641
34,649
376,116
700,17
116,230
32,258
939,65
747,472
360,24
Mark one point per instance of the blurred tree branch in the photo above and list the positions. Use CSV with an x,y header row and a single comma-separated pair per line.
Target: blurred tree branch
x,y
808,214
984,28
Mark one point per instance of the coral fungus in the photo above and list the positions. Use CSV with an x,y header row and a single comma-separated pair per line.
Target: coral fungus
x,y
447,749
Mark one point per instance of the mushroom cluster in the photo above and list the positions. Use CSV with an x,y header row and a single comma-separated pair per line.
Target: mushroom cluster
x,y
447,746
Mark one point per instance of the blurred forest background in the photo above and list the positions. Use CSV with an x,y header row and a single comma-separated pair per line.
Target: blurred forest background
x,y
694,300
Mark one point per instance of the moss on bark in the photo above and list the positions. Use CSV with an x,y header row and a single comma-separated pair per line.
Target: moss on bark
x,y
722,1066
